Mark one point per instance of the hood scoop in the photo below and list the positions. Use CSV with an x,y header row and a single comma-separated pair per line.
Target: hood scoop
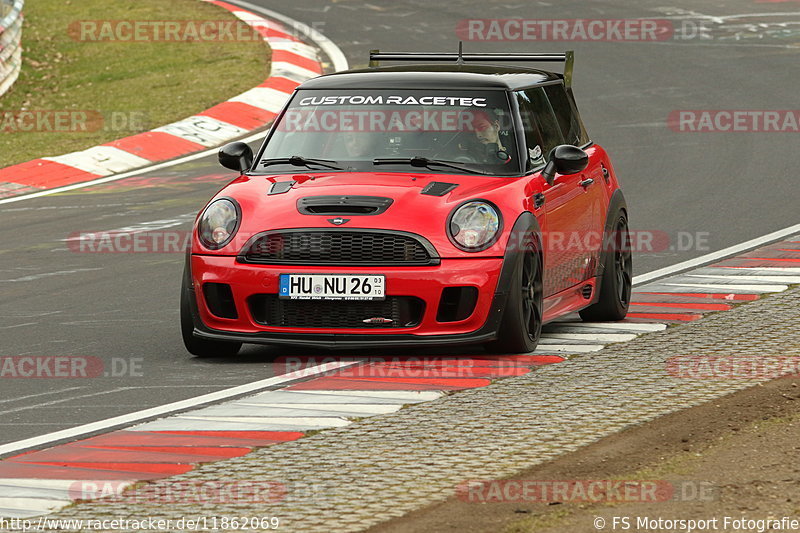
x,y
343,205
438,188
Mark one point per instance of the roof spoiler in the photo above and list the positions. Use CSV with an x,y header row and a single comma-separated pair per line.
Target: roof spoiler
x,y
568,58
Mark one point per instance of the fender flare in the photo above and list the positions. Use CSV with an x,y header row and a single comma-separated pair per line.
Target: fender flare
x,y
526,224
615,204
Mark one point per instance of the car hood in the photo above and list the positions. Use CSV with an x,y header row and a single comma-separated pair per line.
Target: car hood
x,y
400,187
269,203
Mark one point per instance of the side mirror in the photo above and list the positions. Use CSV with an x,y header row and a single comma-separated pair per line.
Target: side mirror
x,y
564,159
236,156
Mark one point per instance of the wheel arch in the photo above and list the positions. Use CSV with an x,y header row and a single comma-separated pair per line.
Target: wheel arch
x,y
526,223
615,204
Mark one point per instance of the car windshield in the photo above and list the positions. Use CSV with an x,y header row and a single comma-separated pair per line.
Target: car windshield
x,y
395,131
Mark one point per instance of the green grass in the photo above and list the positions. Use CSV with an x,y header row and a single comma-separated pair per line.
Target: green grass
x,y
154,82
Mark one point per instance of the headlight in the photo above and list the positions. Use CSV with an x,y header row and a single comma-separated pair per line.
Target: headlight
x,y
218,224
474,226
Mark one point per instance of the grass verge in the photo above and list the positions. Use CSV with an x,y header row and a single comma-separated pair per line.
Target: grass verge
x,y
124,87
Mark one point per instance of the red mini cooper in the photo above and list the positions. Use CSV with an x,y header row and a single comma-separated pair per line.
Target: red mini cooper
x,y
449,202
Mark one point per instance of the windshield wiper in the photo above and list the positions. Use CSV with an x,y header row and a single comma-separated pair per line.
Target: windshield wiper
x,y
300,161
424,162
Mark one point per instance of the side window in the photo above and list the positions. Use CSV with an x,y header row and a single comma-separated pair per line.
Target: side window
x,y
533,139
542,132
566,114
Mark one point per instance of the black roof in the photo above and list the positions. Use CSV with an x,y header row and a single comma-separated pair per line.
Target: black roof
x,y
434,76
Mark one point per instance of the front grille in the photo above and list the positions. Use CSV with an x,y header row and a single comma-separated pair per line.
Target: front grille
x,y
269,310
309,247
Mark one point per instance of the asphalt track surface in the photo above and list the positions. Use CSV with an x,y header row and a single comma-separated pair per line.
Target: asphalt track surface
x,y
123,308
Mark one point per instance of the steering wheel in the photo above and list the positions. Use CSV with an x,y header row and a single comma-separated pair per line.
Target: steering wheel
x,y
464,159
462,152
443,148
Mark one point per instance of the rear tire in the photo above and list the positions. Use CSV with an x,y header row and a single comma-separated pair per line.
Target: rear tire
x,y
195,345
521,325
616,281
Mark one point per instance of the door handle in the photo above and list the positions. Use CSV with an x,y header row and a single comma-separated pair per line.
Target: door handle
x,y
538,200
585,183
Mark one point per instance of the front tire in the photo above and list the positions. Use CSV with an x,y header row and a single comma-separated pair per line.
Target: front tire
x,y
616,281
197,346
521,325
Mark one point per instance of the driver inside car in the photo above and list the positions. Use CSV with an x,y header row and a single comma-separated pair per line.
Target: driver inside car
x,y
356,145
487,133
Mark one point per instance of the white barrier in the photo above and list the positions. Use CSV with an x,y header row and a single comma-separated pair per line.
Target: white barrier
x,y
10,42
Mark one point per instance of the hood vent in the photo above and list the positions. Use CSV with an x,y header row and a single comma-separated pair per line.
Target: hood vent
x,y
438,188
343,205
280,187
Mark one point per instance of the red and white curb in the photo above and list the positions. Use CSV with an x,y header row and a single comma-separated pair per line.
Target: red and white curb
x,y
293,61
43,481
716,287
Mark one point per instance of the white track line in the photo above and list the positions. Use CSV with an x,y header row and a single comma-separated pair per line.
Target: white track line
x,y
153,412
31,506
404,396
598,337
369,408
715,256
54,489
768,279
786,271
339,397
268,421
241,409
623,326
242,423
735,271
734,289
568,348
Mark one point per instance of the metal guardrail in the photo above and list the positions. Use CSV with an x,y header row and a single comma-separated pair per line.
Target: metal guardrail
x,y
10,42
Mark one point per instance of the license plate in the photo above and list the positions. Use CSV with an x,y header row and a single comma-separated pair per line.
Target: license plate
x,y
332,287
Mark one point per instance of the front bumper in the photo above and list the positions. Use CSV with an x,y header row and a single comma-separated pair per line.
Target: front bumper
x,y
489,275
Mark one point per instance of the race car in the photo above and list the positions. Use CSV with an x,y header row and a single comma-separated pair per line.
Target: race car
x,y
454,200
